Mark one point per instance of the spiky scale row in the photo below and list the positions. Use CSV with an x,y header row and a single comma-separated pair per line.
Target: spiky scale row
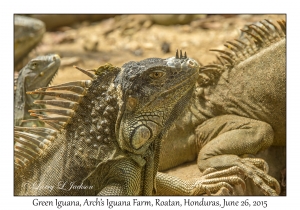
x,y
25,146
31,142
52,119
74,89
278,32
64,112
282,25
258,37
59,103
34,139
91,75
56,125
97,100
29,146
37,130
181,56
67,96
89,140
80,83
79,87
229,54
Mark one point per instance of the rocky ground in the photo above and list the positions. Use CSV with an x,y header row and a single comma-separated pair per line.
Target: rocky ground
x,y
124,38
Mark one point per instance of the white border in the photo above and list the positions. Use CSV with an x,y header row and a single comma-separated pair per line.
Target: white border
x,y
153,6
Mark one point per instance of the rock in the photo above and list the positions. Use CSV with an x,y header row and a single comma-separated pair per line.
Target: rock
x,y
165,47
91,44
138,52
55,21
69,61
171,19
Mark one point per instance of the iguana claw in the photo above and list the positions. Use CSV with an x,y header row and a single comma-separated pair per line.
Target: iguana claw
x,y
213,181
250,167
254,168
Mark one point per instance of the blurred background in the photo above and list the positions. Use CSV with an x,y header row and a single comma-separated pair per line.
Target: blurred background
x,y
91,40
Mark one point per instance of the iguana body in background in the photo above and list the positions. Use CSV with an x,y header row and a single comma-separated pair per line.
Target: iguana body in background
x,y
39,72
110,130
28,32
239,109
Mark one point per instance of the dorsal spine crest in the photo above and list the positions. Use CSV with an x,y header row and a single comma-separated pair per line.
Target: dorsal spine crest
x,y
257,37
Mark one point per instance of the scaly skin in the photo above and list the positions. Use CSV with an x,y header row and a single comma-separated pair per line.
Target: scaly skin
x,y
239,108
28,32
110,139
39,72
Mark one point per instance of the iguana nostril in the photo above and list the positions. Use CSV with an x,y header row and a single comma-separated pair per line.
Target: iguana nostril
x,y
191,64
55,57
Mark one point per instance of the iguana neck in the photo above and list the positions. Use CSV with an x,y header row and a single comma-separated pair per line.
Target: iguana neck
x,y
197,111
23,103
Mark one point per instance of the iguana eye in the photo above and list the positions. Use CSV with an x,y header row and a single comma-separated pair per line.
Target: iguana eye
x,y
156,74
33,65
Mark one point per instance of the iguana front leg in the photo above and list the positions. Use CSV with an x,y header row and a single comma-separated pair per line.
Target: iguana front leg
x,y
226,138
121,177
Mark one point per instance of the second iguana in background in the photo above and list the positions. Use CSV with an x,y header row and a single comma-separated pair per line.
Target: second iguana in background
x,y
238,110
39,72
28,32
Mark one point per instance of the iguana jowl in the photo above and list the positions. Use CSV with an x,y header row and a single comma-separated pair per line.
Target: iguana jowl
x,y
110,135
239,109
39,72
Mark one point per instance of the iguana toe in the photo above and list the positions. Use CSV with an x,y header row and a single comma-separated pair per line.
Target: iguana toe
x,y
260,178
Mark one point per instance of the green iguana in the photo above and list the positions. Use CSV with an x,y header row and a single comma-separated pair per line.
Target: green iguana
x,y
28,32
110,130
239,109
39,72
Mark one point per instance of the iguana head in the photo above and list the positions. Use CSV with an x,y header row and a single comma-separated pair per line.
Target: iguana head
x,y
39,72
152,93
